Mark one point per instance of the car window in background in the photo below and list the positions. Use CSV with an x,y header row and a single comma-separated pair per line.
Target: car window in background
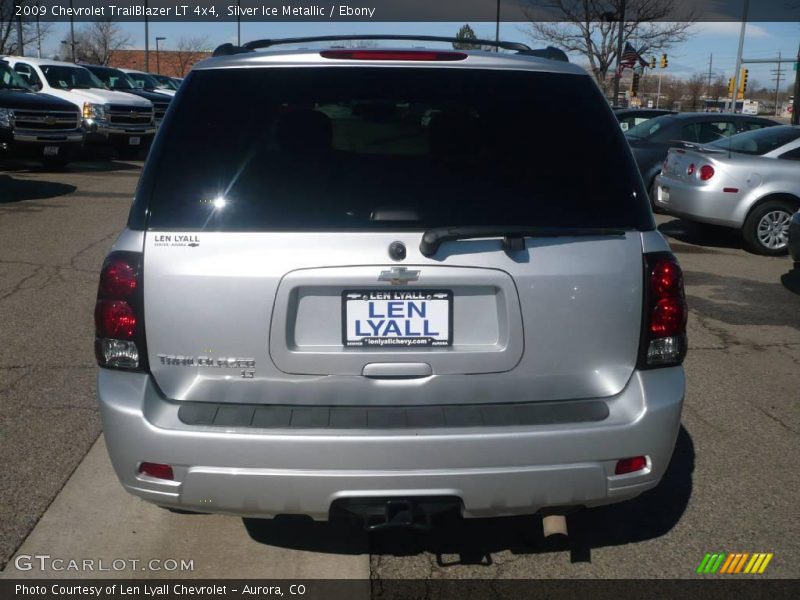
x,y
759,141
113,78
321,148
753,125
791,155
143,80
66,78
27,73
9,80
711,131
690,133
649,128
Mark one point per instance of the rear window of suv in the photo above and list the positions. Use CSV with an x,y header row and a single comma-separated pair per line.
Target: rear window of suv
x,y
323,148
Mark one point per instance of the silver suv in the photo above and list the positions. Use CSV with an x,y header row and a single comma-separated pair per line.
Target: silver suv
x,y
390,282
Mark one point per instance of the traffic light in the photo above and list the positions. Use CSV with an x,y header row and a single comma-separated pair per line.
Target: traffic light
x,y
652,62
730,86
664,61
635,85
743,81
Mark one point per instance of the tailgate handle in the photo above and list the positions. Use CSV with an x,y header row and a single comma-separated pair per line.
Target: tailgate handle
x,y
397,369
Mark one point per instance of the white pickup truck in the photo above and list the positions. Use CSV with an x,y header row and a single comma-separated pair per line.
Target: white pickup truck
x,y
121,120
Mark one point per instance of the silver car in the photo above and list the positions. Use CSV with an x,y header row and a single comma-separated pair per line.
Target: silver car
x,y
750,181
320,303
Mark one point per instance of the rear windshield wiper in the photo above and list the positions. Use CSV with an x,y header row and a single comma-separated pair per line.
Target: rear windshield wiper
x,y
513,236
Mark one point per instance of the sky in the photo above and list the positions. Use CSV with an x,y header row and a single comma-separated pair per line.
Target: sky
x,y
762,40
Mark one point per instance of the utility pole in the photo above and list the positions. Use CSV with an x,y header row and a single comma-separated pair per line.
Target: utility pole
x,y
620,34
739,57
778,74
20,39
71,32
238,24
710,64
796,104
38,38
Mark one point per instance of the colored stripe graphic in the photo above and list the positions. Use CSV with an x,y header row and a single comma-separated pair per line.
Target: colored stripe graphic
x,y
734,563
727,563
764,564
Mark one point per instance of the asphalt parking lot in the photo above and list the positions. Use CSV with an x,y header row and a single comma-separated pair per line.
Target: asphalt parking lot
x,y
732,486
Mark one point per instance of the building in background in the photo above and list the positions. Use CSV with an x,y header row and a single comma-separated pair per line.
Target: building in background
x,y
174,63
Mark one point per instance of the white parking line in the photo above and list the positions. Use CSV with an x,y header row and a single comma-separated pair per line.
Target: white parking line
x,y
94,519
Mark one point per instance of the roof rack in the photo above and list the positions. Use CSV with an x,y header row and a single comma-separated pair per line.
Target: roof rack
x,y
549,52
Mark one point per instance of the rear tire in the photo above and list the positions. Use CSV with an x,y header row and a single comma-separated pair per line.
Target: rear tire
x,y
766,229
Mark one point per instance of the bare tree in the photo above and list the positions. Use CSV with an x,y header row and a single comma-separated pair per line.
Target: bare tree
x,y
31,34
694,88
590,27
96,42
719,88
188,51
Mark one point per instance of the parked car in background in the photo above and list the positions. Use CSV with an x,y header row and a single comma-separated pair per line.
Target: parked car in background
x,y
147,82
36,126
750,181
119,81
794,239
413,318
117,119
651,140
631,117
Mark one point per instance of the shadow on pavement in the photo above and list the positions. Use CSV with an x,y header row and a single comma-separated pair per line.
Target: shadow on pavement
x,y
457,541
99,166
742,301
700,234
791,280
19,190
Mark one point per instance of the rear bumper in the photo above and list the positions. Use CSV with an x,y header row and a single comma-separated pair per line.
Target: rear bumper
x,y
702,204
493,470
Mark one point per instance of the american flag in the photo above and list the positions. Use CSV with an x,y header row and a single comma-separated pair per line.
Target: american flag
x,y
631,56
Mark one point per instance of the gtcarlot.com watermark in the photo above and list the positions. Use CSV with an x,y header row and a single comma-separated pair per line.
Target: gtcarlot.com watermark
x,y
45,562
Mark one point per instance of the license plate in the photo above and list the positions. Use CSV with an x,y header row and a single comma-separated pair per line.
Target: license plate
x,y
397,318
135,141
51,150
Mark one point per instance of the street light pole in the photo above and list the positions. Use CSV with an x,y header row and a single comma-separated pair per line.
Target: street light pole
x,y
158,60
146,40
71,32
739,59
621,33
497,28
238,23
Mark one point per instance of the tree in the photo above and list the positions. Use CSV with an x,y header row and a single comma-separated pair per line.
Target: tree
x,y
694,88
188,52
719,88
590,28
31,34
466,33
96,42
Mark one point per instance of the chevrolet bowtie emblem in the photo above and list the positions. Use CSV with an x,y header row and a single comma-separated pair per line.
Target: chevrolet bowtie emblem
x,y
398,275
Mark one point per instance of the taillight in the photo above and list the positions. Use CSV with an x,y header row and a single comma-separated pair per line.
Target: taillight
x,y
630,465
417,55
118,316
157,470
664,340
706,172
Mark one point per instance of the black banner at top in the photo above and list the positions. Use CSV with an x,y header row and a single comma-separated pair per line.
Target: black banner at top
x,y
396,10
